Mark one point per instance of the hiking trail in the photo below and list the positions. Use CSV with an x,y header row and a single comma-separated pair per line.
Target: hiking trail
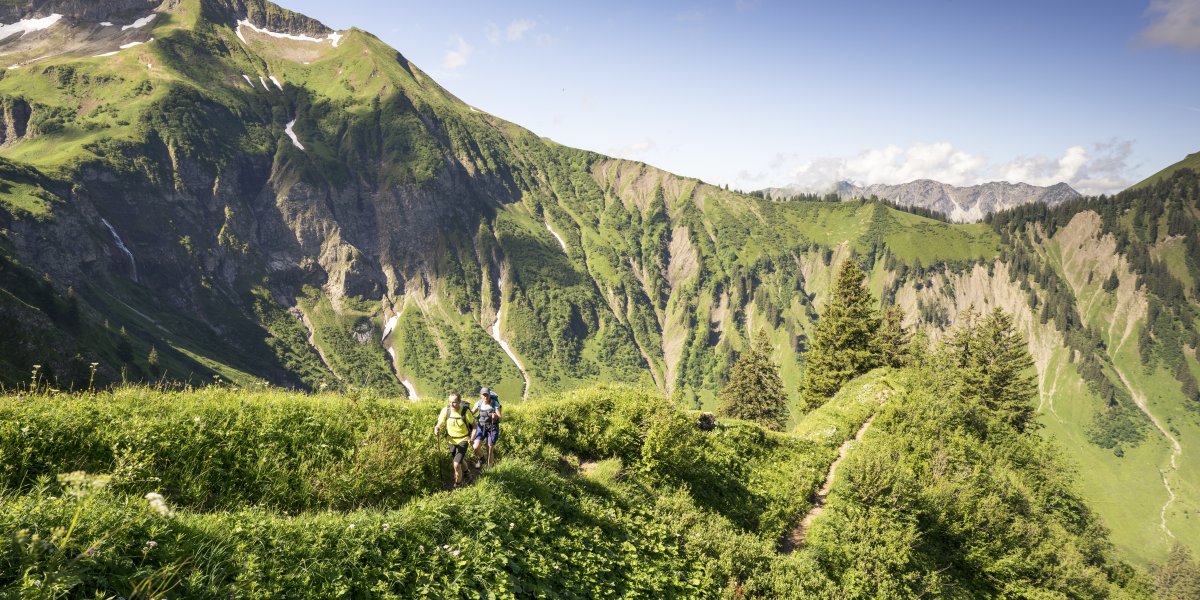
x,y
1176,448
795,538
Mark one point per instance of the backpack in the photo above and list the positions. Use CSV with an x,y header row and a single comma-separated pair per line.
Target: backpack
x,y
487,418
460,414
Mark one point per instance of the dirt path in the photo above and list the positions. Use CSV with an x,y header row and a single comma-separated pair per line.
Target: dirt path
x,y
795,538
1176,449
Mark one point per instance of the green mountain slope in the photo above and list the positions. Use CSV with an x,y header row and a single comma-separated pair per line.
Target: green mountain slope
x,y
315,212
1191,162
629,497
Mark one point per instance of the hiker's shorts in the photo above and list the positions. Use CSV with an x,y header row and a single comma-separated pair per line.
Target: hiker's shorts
x,y
458,452
489,435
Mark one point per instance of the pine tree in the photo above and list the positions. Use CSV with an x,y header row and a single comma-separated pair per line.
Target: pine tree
x,y
755,391
844,343
1179,577
152,360
124,346
891,341
1112,283
994,362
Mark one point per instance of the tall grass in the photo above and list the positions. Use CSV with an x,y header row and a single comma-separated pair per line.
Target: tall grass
x,y
605,492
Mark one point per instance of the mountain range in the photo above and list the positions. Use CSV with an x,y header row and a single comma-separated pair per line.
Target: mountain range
x,y
957,204
200,190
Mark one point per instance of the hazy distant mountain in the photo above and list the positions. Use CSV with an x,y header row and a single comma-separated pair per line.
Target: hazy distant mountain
x,y
960,204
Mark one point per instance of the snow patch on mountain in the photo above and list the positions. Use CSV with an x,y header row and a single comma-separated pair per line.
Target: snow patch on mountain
x,y
25,26
334,38
389,326
140,23
276,82
292,134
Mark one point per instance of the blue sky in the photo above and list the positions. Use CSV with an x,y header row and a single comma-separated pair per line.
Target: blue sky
x,y
758,93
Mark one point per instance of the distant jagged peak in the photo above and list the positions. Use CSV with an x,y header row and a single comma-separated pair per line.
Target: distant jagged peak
x,y
265,16
963,204
95,11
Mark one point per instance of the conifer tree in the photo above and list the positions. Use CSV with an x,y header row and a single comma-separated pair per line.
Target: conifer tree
x,y
995,368
892,340
844,343
755,391
1179,577
1112,283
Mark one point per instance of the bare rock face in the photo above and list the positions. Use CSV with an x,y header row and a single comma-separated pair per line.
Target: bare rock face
x,y
265,15
80,10
959,204
966,204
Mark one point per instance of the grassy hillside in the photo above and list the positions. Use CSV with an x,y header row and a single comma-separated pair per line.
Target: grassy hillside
x,y
602,492
1191,162
157,223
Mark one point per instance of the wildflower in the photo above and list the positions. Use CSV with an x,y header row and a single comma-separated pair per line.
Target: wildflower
x,y
150,545
555,567
511,525
445,546
81,483
350,526
421,547
158,503
92,551
387,526
455,552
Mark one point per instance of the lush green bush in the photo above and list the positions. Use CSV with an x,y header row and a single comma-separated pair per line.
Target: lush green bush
x,y
228,461
604,492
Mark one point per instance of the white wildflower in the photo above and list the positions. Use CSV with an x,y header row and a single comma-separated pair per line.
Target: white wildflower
x,y
158,503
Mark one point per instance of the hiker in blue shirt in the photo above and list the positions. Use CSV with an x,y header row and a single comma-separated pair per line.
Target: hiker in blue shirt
x,y
487,413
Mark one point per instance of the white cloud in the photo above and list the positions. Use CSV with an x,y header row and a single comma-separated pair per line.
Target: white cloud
x,y
514,32
940,161
1102,168
459,53
1176,24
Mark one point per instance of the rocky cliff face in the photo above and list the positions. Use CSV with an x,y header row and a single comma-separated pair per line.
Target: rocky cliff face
x,y
965,204
77,10
959,204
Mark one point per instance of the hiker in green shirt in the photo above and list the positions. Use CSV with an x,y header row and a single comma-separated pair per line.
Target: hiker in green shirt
x,y
457,419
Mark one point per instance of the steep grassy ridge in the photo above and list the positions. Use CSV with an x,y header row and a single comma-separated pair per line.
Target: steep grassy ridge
x,y
153,204
603,492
